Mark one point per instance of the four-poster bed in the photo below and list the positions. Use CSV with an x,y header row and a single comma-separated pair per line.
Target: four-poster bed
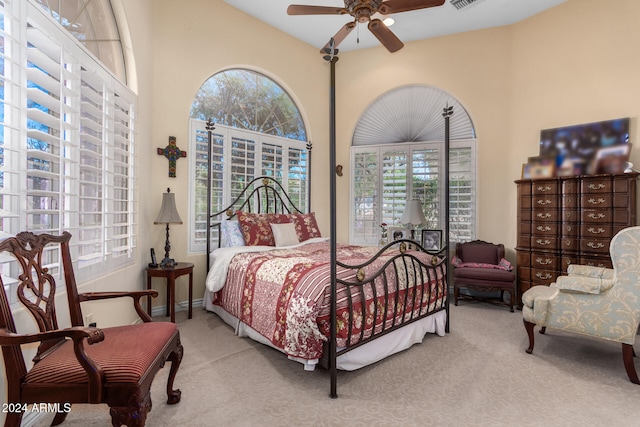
x,y
318,301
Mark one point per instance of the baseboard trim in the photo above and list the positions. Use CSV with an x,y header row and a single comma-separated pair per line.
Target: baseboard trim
x,y
160,310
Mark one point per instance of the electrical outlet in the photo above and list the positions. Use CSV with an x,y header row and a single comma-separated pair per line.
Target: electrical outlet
x,y
88,319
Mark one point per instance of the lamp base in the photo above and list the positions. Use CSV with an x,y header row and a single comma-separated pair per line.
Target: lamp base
x,y
168,263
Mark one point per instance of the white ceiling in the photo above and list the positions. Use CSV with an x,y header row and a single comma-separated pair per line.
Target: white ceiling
x,y
414,25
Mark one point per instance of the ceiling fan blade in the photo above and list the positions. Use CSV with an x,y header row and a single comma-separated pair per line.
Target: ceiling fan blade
x,y
396,6
297,9
385,35
339,37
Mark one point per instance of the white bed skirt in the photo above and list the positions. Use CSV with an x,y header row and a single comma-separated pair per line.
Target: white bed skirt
x,y
371,352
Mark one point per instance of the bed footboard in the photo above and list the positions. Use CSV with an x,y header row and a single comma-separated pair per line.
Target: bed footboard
x,y
409,286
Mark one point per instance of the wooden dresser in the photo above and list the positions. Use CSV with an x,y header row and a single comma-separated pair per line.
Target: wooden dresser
x,y
570,220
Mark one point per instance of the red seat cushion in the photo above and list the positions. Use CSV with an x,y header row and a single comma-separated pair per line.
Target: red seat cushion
x,y
477,275
125,355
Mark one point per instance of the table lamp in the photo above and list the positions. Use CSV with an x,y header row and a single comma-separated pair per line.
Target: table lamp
x,y
413,215
168,215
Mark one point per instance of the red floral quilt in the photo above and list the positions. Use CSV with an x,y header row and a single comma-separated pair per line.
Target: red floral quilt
x,y
284,294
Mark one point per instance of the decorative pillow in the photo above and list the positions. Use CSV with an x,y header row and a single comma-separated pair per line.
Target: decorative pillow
x,y
285,234
306,226
503,264
231,234
255,229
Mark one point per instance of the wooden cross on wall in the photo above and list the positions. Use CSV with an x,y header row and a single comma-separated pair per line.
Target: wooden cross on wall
x,y
172,153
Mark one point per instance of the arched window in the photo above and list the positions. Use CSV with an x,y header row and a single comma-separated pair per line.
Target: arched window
x,y
397,154
258,131
93,23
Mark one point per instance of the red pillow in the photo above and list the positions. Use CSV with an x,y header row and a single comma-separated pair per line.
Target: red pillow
x,y
255,229
306,226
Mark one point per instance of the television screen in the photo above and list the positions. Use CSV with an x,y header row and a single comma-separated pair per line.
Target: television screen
x,y
591,148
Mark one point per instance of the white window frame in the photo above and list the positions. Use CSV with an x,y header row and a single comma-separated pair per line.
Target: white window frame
x,y
372,236
73,75
262,143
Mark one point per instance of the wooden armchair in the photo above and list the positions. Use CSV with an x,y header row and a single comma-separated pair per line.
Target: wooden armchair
x,y
79,364
481,266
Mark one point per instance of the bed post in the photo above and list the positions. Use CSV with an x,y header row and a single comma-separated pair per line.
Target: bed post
x,y
332,58
309,147
448,112
209,127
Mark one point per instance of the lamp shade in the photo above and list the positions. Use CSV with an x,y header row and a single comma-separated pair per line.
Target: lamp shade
x,y
413,213
168,212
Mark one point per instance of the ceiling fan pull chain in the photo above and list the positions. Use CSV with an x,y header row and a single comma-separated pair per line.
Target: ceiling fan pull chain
x,y
358,33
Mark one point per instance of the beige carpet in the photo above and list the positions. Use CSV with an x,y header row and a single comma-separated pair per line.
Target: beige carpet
x,y
479,374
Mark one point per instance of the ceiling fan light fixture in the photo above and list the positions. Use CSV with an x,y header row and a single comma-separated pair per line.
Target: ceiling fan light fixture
x,y
388,21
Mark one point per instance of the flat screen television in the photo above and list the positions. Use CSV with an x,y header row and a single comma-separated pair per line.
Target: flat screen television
x,y
587,149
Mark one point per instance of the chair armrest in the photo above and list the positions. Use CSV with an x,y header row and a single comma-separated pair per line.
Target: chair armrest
x,y
590,271
93,335
78,335
583,284
136,295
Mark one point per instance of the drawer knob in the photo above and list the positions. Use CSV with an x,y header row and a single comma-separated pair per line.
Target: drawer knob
x,y
543,242
595,245
543,228
543,261
543,276
593,215
543,215
598,186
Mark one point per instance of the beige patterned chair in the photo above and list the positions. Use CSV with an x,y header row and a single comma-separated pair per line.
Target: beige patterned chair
x,y
598,302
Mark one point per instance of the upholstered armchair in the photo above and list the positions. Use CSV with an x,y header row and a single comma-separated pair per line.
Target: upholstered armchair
x,y
598,302
481,266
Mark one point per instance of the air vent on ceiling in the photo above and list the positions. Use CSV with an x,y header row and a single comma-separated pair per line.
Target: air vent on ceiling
x,y
459,4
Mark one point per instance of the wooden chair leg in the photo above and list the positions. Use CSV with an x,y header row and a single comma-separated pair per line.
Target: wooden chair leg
x,y
131,416
173,396
13,419
529,327
455,294
512,300
59,418
629,366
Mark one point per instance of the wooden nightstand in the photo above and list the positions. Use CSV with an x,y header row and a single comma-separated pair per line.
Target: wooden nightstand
x,y
171,274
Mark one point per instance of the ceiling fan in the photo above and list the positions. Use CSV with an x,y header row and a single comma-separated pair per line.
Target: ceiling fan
x,y
362,11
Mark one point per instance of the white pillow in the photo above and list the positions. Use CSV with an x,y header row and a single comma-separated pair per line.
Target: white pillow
x,y
285,234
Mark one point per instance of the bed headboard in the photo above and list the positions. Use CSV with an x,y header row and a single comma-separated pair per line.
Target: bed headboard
x,y
261,195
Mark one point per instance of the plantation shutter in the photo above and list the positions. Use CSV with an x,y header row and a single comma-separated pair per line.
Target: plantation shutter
x,y
364,190
394,185
425,183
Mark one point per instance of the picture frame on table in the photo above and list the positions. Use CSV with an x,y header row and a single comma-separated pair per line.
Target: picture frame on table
x,y
396,233
431,240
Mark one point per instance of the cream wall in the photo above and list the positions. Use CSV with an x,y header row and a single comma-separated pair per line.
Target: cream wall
x,y
572,64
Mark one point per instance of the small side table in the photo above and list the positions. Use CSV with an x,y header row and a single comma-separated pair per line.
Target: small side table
x,y
171,273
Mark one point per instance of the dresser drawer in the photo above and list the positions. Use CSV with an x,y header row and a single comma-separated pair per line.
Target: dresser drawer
x,y
546,215
542,242
546,201
571,244
543,277
544,261
544,187
545,229
596,215
595,245
570,230
597,185
597,230
600,201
